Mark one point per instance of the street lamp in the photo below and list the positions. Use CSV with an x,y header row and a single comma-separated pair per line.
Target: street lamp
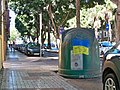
x,y
40,21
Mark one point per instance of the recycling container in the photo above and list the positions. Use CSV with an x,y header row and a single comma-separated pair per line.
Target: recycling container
x,y
79,54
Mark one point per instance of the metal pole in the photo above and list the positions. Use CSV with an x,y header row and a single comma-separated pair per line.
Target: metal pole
x,y
40,16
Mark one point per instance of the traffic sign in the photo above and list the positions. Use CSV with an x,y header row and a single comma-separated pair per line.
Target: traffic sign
x,y
107,26
61,29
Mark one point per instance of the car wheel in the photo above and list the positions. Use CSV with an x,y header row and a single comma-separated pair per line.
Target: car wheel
x,y
28,53
110,82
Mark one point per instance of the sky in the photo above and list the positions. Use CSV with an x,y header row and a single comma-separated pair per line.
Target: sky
x,y
12,23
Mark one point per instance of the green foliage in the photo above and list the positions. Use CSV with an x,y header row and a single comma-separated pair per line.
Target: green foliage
x,y
20,26
14,35
62,10
91,3
98,11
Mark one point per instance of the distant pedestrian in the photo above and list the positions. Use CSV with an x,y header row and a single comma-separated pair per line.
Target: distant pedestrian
x,y
13,46
10,46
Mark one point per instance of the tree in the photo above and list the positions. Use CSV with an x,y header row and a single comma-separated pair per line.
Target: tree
x,y
59,11
20,26
78,13
91,3
14,35
94,17
28,12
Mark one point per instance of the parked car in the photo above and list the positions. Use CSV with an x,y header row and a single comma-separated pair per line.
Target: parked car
x,y
111,74
53,46
19,46
22,48
33,49
114,51
111,69
104,46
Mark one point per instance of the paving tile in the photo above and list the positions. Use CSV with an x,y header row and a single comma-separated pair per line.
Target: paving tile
x,y
26,73
30,78
34,80
52,89
40,74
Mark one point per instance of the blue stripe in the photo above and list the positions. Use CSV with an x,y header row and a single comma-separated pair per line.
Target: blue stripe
x,y
77,42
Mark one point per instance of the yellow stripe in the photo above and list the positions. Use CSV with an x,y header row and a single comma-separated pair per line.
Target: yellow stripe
x,y
80,50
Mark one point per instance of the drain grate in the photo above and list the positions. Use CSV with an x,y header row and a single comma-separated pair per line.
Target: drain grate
x,y
40,74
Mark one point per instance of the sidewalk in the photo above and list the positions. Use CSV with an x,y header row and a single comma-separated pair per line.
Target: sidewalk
x,y
32,73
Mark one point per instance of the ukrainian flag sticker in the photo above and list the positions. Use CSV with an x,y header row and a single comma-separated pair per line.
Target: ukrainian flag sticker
x,y
80,46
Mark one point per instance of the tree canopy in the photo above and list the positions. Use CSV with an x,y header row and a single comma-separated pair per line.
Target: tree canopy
x,y
88,15
58,12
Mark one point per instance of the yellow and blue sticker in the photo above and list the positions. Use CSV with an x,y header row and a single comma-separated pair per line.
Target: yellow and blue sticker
x,y
80,46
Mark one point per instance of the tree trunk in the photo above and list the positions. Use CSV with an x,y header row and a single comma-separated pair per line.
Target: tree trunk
x,y
37,24
43,34
49,45
117,22
53,24
78,13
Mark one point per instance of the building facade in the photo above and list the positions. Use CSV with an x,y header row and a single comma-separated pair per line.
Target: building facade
x,y
4,29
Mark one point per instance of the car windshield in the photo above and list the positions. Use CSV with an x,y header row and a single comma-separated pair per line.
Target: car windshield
x,y
106,44
115,49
